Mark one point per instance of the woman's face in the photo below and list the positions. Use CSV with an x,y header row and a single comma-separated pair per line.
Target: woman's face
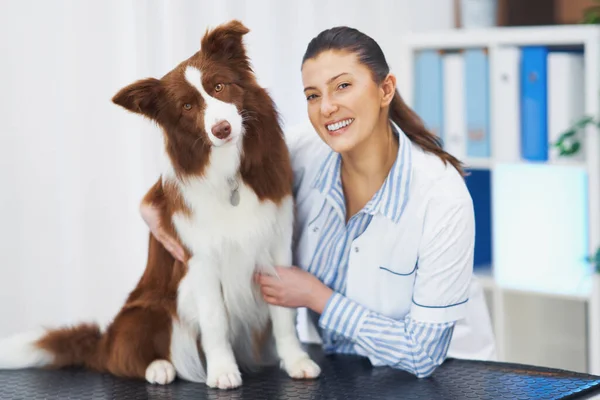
x,y
344,102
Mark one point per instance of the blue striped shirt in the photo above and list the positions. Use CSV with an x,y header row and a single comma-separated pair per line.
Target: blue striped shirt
x,y
345,325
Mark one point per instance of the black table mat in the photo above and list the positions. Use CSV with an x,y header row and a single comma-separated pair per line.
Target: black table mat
x,y
344,378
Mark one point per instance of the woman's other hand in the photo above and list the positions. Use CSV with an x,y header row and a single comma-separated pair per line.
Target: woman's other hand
x,y
151,216
293,287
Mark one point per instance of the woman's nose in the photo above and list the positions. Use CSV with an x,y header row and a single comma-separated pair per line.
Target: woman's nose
x,y
328,107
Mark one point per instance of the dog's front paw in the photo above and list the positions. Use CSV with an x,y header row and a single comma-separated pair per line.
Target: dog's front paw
x,y
302,368
225,376
160,372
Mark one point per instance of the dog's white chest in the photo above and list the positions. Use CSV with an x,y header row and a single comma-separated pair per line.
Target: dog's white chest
x,y
232,242
216,223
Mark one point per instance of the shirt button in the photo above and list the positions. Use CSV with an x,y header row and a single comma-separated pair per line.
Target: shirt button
x,y
316,228
356,249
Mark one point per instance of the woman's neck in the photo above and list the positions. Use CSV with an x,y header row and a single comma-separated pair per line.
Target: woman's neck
x,y
374,159
364,170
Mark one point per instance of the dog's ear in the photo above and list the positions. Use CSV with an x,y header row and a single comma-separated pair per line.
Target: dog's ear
x,y
226,39
141,97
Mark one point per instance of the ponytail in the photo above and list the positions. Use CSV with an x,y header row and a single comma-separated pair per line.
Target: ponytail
x,y
415,130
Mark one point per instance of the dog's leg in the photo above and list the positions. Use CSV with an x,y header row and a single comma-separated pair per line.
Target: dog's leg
x,y
294,359
222,370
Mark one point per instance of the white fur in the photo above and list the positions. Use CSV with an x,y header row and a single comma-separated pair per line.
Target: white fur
x,y
216,110
19,351
160,372
228,244
184,352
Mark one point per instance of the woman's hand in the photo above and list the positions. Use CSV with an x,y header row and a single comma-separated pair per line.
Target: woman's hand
x,y
151,216
294,288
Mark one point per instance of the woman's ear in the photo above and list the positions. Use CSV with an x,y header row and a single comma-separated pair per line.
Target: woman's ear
x,y
388,88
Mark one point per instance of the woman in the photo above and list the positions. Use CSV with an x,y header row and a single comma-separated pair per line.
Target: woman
x,y
385,226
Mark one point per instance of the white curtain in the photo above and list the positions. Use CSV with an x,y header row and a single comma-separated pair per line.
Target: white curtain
x,y
74,166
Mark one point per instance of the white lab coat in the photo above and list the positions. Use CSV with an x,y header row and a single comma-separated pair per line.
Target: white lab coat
x,y
436,194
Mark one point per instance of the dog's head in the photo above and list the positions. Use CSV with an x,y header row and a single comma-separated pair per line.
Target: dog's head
x,y
199,103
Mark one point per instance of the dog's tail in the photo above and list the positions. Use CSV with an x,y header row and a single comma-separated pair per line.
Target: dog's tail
x,y
74,346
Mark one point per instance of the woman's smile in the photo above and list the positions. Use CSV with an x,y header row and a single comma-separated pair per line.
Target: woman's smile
x,y
338,127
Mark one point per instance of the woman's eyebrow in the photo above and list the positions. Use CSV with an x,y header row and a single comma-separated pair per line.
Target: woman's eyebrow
x,y
328,81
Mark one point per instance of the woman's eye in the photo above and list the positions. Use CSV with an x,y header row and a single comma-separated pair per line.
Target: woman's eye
x,y
312,96
343,85
187,106
219,87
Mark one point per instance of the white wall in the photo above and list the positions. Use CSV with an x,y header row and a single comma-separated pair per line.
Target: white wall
x,y
74,166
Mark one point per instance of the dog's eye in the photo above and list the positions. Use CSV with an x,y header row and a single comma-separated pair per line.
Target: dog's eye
x,y
187,106
219,87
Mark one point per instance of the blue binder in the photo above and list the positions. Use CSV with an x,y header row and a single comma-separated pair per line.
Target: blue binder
x,y
477,84
534,104
479,185
429,90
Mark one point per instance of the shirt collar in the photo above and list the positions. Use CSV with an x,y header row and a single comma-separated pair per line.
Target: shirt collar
x,y
390,200
329,182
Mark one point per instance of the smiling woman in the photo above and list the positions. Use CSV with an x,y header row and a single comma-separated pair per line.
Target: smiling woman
x,y
384,232
385,224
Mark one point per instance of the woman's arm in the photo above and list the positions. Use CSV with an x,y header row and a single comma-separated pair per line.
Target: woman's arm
x,y
414,346
419,342
150,209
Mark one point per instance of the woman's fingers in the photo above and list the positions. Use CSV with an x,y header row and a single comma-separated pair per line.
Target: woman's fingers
x,y
265,280
176,250
269,294
170,244
151,216
268,291
270,300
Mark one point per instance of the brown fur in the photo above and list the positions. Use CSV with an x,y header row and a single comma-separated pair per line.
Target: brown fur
x,y
139,334
74,346
141,331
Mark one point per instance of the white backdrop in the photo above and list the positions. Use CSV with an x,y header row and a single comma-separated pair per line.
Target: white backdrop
x,y
74,166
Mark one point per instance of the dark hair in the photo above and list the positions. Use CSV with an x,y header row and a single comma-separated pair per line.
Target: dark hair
x,y
370,54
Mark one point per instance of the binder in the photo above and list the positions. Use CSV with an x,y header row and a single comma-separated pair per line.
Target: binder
x,y
479,184
506,118
428,90
477,89
565,99
455,124
534,106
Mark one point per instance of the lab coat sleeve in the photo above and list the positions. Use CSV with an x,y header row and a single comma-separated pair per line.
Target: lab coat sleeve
x,y
410,345
445,262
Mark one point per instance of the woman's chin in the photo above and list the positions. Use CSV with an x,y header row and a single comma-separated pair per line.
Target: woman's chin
x,y
341,144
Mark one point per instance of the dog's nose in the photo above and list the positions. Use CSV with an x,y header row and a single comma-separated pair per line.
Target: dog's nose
x,y
221,129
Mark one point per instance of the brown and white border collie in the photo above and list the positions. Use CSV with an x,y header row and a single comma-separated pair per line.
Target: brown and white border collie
x,y
226,194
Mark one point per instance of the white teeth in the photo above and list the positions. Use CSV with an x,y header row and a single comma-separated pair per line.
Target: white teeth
x,y
339,125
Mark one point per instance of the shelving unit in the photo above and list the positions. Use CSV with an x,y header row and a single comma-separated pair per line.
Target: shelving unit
x,y
587,296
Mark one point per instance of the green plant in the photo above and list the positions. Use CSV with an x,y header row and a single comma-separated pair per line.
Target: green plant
x,y
568,143
591,15
595,260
